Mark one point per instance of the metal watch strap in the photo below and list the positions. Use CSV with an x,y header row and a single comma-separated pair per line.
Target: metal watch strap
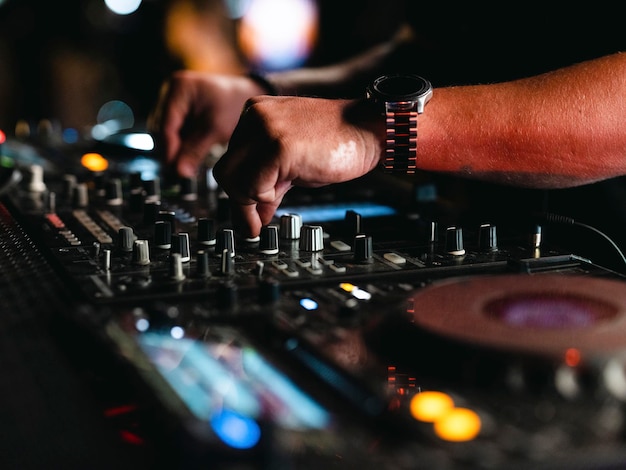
x,y
401,141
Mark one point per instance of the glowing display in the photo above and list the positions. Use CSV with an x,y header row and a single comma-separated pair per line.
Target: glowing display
x,y
458,425
94,162
336,211
430,406
230,386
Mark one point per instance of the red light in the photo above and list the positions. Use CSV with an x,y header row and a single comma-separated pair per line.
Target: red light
x,y
3,137
572,357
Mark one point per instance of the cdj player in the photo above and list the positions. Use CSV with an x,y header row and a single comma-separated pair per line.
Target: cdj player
x,y
371,325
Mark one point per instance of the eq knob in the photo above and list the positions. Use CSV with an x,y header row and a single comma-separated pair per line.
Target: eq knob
x,y
290,226
311,238
162,234
206,231
454,241
268,241
180,245
225,240
141,253
487,238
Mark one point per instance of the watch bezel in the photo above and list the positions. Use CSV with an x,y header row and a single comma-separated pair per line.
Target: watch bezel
x,y
377,90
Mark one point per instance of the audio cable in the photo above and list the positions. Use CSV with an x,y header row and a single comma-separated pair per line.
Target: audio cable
x,y
561,219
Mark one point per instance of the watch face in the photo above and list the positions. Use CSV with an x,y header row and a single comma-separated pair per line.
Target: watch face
x,y
401,87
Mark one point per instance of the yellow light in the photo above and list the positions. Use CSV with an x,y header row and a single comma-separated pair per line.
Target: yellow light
x,y
458,425
347,286
430,406
94,162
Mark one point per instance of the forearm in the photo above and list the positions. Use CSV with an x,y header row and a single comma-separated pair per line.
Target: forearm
x,y
560,129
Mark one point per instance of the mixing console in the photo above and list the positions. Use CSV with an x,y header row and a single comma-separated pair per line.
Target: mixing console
x,y
366,325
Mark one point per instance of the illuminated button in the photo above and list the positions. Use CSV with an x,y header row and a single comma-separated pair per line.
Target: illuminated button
x,y
430,406
458,425
394,258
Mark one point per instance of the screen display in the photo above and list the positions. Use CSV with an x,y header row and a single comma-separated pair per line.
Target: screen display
x,y
228,384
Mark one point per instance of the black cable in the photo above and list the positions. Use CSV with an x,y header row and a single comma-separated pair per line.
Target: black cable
x,y
561,219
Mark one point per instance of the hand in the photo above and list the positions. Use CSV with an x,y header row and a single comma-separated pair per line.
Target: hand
x,y
281,142
196,111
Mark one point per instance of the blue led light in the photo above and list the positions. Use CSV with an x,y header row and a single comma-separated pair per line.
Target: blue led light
x,y
308,304
236,430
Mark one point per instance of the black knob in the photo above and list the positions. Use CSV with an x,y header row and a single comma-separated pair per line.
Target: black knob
x,y
363,250
225,240
268,241
487,238
162,234
206,231
202,264
113,194
352,221
454,241
269,290
151,211
180,245
188,189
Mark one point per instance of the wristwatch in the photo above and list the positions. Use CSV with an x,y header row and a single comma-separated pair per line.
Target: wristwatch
x,y
400,98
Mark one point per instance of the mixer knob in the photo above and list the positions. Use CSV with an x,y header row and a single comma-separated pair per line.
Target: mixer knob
x,y
163,234
81,195
189,189
141,252
168,216
202,264
206,231
176,267
290,226
100,181
363,249
454,241
135,182
69,185
352,221
113,193
151,211
311,238
153,189
487,238
227,265
225,240
125,239
268,243
36,183
180,245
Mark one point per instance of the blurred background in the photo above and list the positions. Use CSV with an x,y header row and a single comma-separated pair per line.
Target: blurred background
x,y
79,63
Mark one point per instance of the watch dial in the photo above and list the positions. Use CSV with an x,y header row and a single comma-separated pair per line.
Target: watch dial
x,y
400,87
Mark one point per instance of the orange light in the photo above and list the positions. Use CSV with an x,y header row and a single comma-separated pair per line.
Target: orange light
x,y
94,162
458,425
572,357
430,406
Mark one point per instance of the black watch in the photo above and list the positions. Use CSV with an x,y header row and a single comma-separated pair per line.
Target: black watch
x,y
401,98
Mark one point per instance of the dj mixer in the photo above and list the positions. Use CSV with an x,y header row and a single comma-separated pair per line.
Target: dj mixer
x,y
372,324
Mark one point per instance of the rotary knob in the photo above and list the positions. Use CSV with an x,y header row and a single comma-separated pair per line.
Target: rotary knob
x,y
180,245
268,241
162,234
311,238
225,240
454,241
487,238
290,226
206,231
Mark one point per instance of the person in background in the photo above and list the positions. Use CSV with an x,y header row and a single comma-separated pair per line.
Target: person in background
x,y
522,97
